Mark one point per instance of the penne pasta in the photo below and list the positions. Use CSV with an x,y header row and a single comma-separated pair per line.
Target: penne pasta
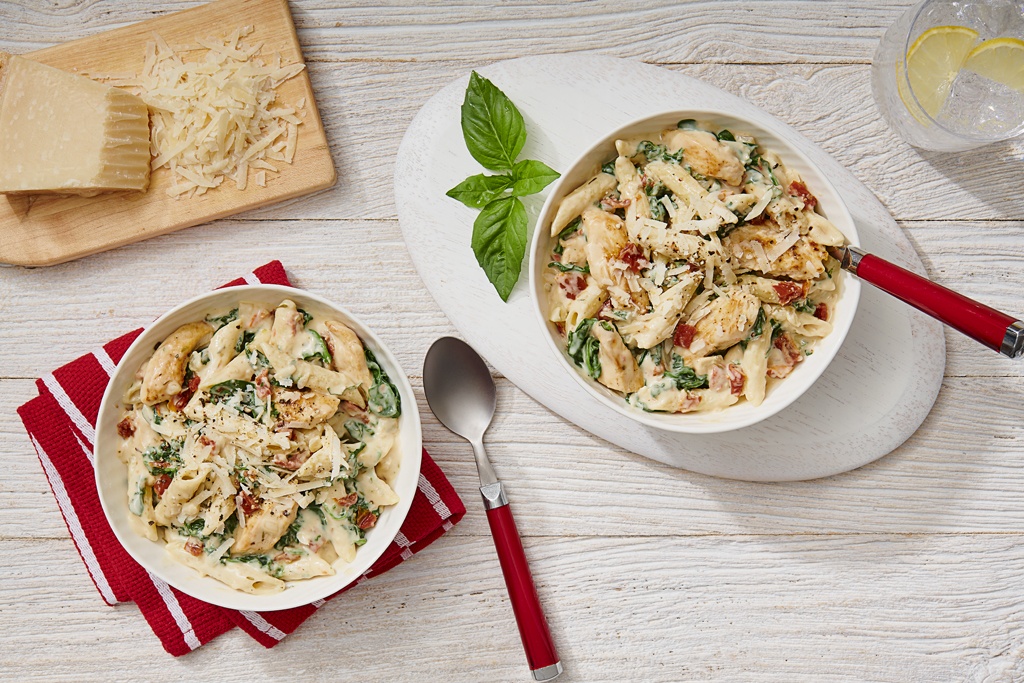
x,y
260,445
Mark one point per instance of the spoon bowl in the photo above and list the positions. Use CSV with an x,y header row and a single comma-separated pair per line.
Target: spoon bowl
x,y
459,388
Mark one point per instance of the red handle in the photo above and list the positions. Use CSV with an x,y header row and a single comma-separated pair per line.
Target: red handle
x,y
976,320
533,627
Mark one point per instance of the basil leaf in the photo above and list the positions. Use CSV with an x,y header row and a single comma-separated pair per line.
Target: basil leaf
x,y
531,177
491,124
480,190
499,242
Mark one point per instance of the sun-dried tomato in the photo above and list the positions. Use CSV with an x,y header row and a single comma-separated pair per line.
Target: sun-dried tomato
x,y
633,256
125,428
798,189
161,484
684,335
789,291
365,520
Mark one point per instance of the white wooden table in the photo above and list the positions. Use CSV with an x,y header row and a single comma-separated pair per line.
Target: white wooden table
x,y
910,569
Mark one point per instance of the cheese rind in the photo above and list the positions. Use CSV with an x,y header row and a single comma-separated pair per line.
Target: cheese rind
x,y
65,134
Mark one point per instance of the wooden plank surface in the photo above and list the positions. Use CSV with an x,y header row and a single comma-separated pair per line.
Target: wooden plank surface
x,y
907,570
43,230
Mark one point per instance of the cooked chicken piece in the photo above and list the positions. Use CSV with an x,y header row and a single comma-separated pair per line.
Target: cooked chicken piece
x,y
726,321
302,409
606,239
585,195
165,373
264,527
805,260
619,370
705,154
347,353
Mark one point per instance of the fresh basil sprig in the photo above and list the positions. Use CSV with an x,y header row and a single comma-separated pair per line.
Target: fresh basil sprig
x,y
495,134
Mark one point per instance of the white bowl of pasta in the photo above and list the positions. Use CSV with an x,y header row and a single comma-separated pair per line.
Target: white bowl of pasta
x,y
257,448
679,269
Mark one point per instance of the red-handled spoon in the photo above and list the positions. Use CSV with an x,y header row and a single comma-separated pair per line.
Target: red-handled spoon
x,y
460,392
998,331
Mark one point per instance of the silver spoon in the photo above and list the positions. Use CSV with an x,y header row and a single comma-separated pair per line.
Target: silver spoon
x,y
460,392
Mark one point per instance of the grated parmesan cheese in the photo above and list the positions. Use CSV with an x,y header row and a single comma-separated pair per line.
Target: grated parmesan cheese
x,y
217,118
782,246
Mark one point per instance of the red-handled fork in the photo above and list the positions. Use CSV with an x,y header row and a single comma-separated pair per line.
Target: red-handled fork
x,y
996,330
460,392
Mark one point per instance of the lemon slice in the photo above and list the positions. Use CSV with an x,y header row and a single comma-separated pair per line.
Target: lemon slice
x,y
933,62
1000,59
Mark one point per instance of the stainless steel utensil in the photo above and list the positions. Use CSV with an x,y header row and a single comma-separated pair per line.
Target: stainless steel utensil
x,y
461,394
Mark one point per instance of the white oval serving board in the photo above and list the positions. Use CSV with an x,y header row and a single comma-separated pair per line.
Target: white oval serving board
x,y
872,397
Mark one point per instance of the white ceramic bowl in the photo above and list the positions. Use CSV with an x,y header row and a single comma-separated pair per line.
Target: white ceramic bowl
x,y
785,391
112,476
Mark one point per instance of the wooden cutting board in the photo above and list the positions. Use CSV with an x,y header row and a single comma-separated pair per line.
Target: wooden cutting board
x,y
44,230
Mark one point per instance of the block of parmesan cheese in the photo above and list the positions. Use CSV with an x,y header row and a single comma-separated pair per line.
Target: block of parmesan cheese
x,y
65,134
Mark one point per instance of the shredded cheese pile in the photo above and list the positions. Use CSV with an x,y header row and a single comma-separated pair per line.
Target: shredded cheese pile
x,y
218,117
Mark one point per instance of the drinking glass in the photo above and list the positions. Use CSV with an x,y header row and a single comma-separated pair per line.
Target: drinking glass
x,y
977,110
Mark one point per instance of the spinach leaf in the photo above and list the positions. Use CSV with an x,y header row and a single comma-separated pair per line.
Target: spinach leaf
x,y
687,124
243,341
654,194
358,430
609,168
531,177
222,320
262,560
499,242
258,360
163,458
805,306
758,327
684,376
306,317
480,190
567,231
290,537
320,350
383,398
492,126
726,134
238,395
585,349
655,152
567,267
193,528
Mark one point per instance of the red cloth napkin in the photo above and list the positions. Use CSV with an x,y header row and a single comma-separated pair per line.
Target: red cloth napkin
x,y
61,425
